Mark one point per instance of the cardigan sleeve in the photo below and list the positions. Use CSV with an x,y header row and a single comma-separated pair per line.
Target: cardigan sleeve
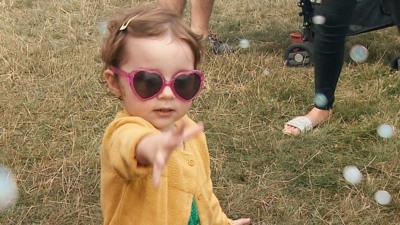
x,y
120,143
218,217
210,207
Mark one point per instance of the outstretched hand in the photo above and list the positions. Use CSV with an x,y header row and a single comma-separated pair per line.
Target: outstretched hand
x,y
169,141
242,221
156,149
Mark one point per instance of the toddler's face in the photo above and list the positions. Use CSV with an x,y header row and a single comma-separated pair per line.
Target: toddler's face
x,y
167,55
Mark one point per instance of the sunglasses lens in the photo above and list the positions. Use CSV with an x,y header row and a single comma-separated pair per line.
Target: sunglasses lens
x,y
187,85
147,84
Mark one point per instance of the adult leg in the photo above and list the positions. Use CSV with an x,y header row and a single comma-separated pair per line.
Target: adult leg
x,y
395,6
329,44
176,5
395,11
201,13
200,10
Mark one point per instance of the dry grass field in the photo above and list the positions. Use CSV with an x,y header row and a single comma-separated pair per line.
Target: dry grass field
x,y
54,109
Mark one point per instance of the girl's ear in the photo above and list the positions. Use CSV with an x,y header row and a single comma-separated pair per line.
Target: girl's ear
x,y
112,82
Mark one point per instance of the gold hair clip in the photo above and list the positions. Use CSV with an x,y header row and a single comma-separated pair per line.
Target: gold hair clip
x,y
125,25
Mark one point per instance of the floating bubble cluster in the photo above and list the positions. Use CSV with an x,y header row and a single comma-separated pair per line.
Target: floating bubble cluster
x,y
353,176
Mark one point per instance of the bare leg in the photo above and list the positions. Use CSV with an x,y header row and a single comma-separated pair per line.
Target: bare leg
x,y
176,5
201,13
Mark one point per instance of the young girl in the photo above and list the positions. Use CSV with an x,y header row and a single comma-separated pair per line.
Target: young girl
x,y
155,166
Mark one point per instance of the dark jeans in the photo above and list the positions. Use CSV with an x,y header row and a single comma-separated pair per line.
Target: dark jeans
x,y
395,11
329,45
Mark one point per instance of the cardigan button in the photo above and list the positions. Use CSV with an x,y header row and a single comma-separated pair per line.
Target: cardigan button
x,y
191,162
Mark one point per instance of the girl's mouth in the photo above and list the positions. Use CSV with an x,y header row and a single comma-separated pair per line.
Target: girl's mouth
x,y
164,111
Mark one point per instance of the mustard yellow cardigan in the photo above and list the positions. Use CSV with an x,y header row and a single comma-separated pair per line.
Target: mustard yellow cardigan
x,y
128,196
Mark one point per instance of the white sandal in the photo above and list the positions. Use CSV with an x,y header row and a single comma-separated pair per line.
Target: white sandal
x,y
303,123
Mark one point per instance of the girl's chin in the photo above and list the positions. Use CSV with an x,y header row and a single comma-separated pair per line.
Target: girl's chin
x,y
163,125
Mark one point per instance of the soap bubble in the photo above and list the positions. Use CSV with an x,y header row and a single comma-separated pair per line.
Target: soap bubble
x,y
318,19
320,100
244,43
382,197
385,130
8,189
352,175
359,53
102,28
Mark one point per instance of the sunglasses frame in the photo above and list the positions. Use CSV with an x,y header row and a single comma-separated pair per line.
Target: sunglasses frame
x,y
165,83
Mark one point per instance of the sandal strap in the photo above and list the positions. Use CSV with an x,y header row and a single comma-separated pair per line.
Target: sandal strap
x,y
303,123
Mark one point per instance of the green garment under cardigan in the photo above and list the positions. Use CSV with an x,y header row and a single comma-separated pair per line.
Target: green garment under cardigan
x,y
194,215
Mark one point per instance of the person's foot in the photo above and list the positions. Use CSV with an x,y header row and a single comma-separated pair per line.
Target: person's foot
x,y
317,117
217,46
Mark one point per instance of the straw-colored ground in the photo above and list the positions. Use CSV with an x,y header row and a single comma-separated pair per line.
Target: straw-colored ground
x,y
54,110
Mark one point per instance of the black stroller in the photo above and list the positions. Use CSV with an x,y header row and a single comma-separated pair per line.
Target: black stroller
x,y
369,15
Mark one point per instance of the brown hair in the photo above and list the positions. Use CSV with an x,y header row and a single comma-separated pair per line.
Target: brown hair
x,y
148,21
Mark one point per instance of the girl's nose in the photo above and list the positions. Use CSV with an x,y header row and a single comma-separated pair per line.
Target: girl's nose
x,y
166,93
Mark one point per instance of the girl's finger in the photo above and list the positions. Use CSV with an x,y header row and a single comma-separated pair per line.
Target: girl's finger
x,y
242,221
173,138
180,134
178,131
156,175
158,166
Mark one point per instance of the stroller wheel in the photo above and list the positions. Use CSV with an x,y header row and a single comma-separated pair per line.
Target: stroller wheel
x,y
395,64
298,54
